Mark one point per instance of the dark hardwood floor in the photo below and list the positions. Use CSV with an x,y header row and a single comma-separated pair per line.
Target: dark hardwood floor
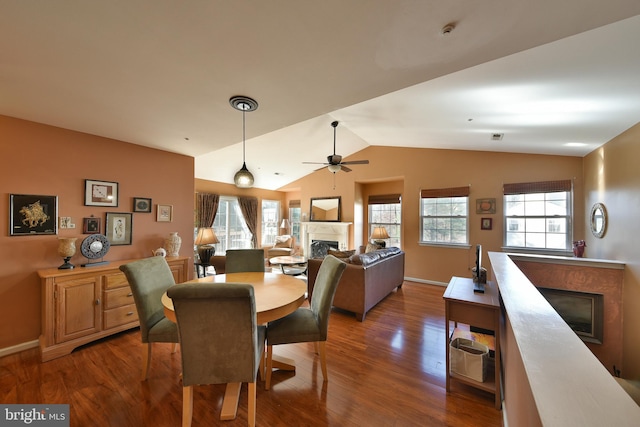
x,y
386,371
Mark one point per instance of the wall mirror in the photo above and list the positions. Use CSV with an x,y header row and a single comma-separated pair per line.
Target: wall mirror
x,y
598,220
325,209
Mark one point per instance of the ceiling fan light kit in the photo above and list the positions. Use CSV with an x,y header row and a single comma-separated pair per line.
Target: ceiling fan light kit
x,y
334,161
243,178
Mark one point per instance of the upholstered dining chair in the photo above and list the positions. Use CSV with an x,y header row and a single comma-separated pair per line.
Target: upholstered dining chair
x,y
243,260
308,324
149,278
220,341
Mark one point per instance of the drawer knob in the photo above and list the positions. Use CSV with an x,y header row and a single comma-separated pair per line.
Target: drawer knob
x,y
130,313
130,294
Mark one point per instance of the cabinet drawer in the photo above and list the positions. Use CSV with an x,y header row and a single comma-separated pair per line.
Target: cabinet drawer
x,y
120,316
112,281
117,297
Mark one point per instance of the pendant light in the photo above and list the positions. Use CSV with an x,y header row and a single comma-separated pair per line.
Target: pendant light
x,y
243,178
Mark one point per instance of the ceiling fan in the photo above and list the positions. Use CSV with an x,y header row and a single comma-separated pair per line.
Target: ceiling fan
x,y
334,161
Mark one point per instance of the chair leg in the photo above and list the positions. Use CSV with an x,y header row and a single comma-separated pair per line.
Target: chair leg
x,y
323,359
146,360
187,406
252,404
262,368
267,383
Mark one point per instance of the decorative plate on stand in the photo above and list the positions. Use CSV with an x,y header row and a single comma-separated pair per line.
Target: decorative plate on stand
x,y
93,247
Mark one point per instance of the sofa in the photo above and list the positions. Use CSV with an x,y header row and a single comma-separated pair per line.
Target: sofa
x,y
367,280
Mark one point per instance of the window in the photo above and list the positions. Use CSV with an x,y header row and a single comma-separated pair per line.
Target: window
x,y
445,216
295,212
270,216
230,226
386,211
538,215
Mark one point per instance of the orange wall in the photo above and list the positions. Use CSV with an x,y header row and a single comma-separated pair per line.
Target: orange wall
x,y
40,159
408,170
612,177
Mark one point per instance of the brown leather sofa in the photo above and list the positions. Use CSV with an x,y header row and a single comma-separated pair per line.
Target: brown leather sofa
x,y
367,280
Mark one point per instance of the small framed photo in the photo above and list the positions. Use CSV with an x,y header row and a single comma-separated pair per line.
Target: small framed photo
x,y
119,228
165,213
486,206
91,225
141,204
100,193
486,224
33,214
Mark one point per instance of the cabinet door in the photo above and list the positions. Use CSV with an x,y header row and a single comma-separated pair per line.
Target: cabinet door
x,y
78,308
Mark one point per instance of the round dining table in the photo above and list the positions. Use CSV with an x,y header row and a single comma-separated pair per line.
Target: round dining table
x,y
276,295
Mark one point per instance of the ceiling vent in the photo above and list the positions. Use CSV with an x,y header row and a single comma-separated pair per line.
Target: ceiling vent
x,y
497,136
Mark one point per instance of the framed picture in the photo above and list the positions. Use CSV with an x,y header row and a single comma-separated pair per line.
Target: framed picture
x,y
32,214
486,224
91,225
486,206
141,204
100,193
165,213
119,228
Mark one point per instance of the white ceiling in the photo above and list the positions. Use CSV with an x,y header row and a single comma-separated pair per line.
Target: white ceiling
x,y
554,77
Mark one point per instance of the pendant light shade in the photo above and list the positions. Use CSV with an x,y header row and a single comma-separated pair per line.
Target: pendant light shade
x,y
243,178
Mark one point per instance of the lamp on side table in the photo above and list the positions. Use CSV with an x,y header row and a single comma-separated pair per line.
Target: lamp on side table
x,y
205,240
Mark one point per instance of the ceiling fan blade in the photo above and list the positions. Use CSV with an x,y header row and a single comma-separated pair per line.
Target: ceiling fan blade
x,y
356,162
344,168
315,163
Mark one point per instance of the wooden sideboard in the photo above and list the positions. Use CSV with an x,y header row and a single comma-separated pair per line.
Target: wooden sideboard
x,y
88,303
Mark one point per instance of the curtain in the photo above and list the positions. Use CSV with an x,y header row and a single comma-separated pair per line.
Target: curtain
x,y
249,208
206,209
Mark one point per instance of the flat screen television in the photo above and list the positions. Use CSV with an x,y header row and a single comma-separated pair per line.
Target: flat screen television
x,y
480,274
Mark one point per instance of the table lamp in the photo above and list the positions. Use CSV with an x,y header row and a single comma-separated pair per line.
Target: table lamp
x,y
205,240
378,234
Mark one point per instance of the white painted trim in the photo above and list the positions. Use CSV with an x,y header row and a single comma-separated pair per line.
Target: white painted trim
x,y
426,282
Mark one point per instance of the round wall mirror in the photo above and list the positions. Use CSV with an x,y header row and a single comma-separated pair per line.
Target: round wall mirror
x,y
598,220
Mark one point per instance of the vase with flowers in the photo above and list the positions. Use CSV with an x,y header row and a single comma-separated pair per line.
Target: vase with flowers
x,y
578,248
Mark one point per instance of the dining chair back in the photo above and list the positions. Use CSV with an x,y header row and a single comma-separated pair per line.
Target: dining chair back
x,y
220,341
308,324
149,278
244,260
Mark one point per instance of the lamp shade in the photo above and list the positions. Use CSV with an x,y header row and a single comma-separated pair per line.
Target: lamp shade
x,y
206,236
243,178
379,233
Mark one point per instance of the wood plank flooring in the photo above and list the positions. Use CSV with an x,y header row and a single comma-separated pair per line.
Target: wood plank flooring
x,y
386,371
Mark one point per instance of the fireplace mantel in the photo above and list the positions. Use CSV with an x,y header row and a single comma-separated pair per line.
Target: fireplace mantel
x,y
334,231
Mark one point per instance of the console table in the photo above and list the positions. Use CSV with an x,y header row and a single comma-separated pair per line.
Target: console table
x,y
87,303
481,310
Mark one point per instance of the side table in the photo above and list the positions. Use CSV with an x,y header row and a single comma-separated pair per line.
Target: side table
x,y
481,310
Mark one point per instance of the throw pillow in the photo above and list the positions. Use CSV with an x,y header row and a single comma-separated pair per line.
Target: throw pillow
x,y
371,247
341,254
283,241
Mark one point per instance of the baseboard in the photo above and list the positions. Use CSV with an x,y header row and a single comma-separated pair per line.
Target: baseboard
x,y
18,348
426,282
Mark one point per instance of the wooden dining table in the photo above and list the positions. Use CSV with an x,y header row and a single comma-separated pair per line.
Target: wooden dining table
x,y
276,295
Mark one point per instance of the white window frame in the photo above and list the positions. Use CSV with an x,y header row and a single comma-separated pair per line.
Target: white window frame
x,y
542,219
393,223
270,210
444,217
230,235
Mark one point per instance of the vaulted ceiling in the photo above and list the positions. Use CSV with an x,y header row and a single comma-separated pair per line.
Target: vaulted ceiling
x,y
550,77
